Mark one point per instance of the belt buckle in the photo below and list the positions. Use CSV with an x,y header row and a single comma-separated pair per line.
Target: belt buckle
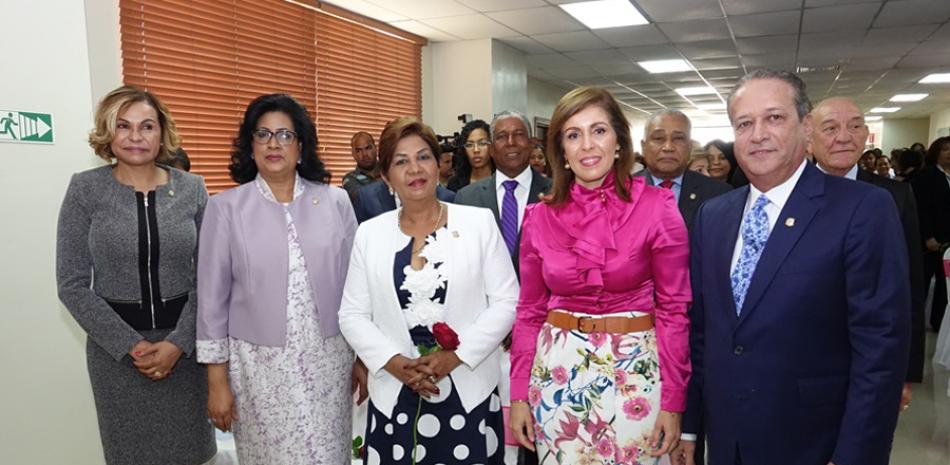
x,y
581,323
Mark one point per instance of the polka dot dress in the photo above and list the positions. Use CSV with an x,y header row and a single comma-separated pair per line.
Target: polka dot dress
x,y
446,434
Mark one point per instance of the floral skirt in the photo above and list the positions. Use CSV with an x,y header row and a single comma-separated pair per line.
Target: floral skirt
x,y
595,397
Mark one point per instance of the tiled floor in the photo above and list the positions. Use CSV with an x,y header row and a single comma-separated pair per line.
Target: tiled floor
x,y
923,432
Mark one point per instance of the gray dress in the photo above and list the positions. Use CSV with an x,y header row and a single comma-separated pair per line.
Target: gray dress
x,y
125,271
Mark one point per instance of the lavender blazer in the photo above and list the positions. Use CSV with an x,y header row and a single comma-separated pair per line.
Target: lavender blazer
x,y
243,261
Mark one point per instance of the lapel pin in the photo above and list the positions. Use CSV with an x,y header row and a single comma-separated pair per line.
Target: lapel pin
x,y
315,201
692,196
171,193
455,234
789,222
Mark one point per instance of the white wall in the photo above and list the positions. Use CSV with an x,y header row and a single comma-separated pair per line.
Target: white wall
x,y
902,132
509,79
45,399
939,122
461,82
542,98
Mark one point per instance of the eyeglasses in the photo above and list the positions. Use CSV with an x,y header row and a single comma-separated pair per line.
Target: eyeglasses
x,y
284,137
481,144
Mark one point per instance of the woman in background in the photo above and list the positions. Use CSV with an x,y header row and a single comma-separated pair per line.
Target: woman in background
x,y
274,253
699,162
125,250
603,260
473,161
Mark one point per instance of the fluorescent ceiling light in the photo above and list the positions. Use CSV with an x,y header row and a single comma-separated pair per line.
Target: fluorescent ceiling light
x,y
908,97
665,66
884,109
935,78
711,106
872,118
701,90
601,14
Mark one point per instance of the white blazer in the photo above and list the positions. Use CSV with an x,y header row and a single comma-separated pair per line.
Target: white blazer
x,y
480,303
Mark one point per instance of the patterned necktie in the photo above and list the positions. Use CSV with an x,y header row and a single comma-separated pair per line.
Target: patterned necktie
x,y
755,233
666,184
509,216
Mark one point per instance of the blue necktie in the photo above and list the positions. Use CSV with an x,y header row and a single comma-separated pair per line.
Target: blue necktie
x,y
509,216
755,233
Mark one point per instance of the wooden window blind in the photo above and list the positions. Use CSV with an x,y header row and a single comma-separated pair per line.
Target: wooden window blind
x,y
207,59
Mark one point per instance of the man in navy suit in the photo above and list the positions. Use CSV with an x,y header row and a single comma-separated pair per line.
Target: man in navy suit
x,y
375,199
800,325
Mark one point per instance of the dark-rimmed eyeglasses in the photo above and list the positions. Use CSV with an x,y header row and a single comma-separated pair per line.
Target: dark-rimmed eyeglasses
x,y
284,137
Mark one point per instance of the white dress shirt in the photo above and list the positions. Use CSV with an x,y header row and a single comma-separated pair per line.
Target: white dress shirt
x,y
777,196
521,192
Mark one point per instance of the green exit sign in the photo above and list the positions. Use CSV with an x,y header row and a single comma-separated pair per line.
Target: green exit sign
x,y
23,126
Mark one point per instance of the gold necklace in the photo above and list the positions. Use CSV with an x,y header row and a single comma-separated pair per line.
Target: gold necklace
x,y
438,221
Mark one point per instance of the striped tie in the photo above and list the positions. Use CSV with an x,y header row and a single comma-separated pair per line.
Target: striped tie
x,y
509,216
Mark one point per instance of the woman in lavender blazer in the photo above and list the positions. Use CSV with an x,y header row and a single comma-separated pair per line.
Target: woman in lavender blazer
x,y
272,261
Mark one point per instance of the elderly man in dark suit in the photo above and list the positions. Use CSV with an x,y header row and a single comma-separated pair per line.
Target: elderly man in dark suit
x,y
838,137
375,199
932,189
666,147
514,184
800,329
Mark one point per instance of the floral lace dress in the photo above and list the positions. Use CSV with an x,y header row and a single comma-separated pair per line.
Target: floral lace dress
x,y
444,433
294,401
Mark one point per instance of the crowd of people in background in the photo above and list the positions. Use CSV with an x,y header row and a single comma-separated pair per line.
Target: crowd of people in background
x,y
501,299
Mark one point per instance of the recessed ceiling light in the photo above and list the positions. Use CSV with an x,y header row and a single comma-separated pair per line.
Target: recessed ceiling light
x,y
908,97
701,90
665,66
884,109
601,14
711,106
935,78
872,118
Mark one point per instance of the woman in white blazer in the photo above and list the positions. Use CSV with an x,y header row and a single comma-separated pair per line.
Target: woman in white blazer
x,y
426,265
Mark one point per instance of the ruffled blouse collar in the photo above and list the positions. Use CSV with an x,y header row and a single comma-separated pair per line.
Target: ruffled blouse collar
x,y
591,217
268,194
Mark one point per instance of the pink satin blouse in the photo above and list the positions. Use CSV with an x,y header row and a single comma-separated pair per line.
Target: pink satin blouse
x,y
599,254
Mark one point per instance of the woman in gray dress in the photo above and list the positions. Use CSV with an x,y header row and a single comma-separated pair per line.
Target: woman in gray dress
x,y
125,269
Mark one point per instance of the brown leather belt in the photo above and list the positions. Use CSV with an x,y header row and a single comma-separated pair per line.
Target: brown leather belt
x,y
605,324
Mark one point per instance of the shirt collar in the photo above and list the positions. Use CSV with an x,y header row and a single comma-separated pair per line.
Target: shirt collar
x,y
677,180
523,178
779,194
852,174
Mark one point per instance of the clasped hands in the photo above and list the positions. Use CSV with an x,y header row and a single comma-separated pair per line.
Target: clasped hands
x,y
155,360
422,374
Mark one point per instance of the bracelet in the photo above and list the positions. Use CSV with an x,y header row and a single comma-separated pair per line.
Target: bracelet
x,y
520,400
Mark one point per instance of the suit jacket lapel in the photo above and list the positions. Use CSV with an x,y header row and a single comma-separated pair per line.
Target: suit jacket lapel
x,y
490,198
688,202
798,211
537,187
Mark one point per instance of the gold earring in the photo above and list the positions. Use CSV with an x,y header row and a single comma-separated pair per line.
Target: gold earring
x,y
567,166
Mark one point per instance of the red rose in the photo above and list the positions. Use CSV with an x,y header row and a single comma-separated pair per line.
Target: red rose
x,y
445,336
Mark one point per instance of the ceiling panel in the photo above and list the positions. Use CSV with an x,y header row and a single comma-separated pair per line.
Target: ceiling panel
x,y
875,63
830,41
933,46
527,45
424,9
708,49
619,69
714,64
572,41
631,36
745,7
474,26
549,60
497,5
913,12
696,30
370,10
839,18
768,44
771,60
899,34
765,24
662,11
925,61
429,32
544,20
598,57
650,52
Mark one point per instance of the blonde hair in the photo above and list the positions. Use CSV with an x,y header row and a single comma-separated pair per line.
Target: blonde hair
x,y
114,103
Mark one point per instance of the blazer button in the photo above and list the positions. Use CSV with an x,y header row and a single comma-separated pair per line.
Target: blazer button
x,y
738,350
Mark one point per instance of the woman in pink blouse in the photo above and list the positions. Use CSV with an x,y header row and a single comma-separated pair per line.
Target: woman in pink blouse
x,y
600,357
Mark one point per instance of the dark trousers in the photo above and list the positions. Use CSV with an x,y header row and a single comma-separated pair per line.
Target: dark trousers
x,y
527,457
933,268
700,456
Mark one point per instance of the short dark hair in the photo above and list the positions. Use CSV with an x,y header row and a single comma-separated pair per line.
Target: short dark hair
x,y
362,133
399,129
242,167
934,151
802,104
